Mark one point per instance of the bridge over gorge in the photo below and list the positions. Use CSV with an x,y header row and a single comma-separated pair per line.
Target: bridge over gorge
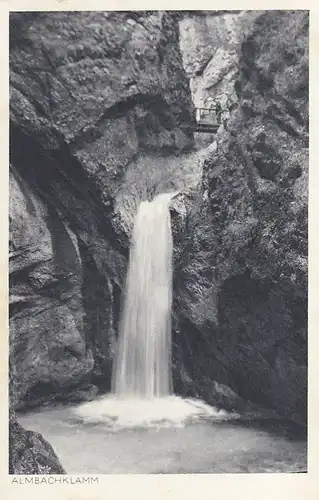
x,y
208,120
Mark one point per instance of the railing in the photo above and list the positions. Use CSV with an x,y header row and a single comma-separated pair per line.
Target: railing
x,y
207,120
209,115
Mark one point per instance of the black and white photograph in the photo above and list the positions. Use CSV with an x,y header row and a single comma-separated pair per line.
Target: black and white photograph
x,y
158,248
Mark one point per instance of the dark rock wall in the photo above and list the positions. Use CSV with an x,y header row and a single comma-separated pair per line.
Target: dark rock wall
x,y
90,92
241,274
46,331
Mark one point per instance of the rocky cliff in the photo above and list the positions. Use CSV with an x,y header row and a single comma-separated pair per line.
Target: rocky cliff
x,y
91,94
97,100
241,263
211,44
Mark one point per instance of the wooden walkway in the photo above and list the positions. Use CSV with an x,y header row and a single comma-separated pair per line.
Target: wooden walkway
x,y
208,128
207,121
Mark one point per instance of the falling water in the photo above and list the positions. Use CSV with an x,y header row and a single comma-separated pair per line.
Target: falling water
x,y
142,394
142,366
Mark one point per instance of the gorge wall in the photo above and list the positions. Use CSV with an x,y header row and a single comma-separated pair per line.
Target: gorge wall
x,y
211,44
97,101
241,258
91,93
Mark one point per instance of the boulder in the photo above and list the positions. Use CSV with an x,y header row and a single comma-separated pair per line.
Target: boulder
x,y
30,453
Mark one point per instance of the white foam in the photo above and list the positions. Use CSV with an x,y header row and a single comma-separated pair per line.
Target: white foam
x,y
127,413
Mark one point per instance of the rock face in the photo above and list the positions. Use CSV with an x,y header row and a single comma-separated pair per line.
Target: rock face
x,y
241,268
30,453
210,44
90,93
47,341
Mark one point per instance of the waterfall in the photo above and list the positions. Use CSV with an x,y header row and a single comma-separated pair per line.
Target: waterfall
x,y
142,366
141,379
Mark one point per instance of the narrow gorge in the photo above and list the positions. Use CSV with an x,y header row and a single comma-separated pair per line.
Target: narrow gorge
x,y
103,109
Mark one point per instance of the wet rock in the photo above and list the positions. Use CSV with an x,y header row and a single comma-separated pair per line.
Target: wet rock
x,y
30,453
81,395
